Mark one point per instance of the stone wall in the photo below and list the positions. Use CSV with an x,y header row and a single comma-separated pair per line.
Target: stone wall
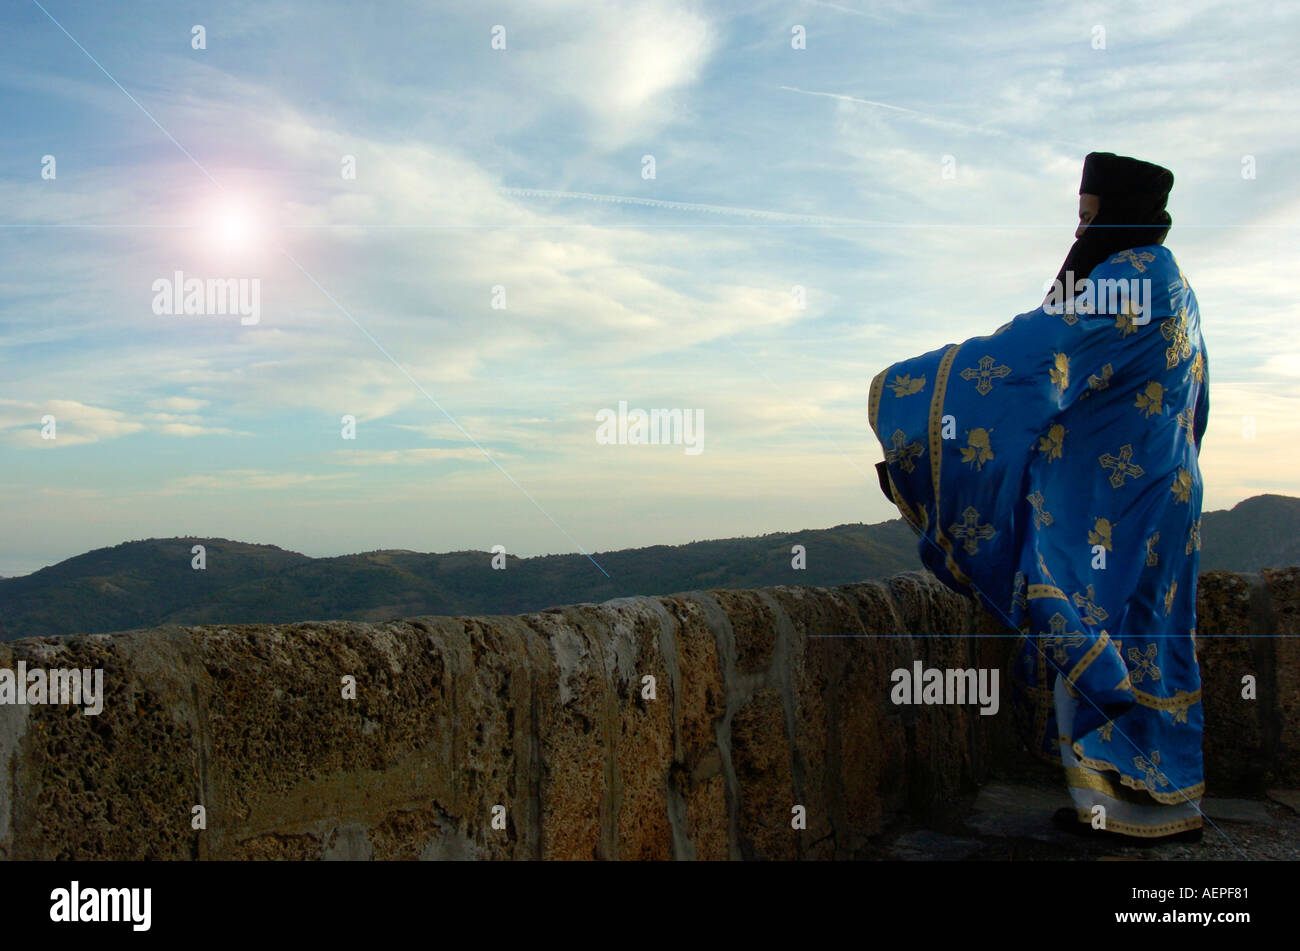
x,y
543,722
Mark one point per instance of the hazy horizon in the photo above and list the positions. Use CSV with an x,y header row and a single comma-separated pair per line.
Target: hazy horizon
x,y
526,554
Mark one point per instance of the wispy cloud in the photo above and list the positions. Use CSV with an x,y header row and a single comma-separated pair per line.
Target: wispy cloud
x,y
234,481
411,457
62,423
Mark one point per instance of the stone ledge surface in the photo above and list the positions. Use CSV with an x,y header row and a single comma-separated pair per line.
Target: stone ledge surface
x,y
546,715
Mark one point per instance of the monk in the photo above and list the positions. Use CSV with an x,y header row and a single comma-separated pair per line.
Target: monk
x,y
1050,470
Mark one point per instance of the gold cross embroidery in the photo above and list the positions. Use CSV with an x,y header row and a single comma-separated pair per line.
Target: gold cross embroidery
x,y
1041,515
1060,638
1194,538
1174,330
1092,613
1148,766
1139,259
986,372
1185,419
1144,664
970,530
903,453
1121,466
1153,556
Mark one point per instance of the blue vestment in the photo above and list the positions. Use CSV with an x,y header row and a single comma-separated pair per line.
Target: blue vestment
x,y
1051,470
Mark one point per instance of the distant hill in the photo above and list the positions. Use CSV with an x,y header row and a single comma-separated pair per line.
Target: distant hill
x,y
147,583
1260,532
135,584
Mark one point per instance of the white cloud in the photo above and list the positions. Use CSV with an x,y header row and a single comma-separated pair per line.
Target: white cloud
x,y
75,423
194,429
178,404
622,61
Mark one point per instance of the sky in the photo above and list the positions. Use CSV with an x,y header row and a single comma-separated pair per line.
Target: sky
x,y
557,207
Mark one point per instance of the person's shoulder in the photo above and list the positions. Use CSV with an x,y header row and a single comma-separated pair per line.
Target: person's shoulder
x,y
1151,277
1153,262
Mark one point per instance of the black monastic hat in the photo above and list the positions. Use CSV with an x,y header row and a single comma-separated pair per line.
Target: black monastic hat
x,y
1118,177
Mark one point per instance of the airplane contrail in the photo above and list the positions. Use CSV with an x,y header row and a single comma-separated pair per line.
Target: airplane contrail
x,y
884,105
694,206
935,120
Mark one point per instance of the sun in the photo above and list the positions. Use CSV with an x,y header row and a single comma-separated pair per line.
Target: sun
x,y
233,227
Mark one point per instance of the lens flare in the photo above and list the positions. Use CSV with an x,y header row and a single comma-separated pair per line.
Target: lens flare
x,y
233,228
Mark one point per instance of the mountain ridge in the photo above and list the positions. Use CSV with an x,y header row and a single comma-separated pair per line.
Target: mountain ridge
x,y
148,582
